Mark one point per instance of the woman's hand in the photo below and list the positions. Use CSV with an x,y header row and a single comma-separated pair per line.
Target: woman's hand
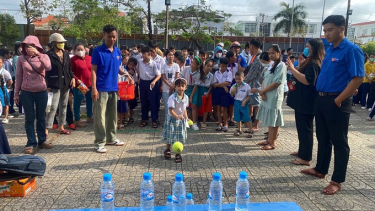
x,y
73,83
226,89
289,64
264,97
17,100
32,51
261,92
190,100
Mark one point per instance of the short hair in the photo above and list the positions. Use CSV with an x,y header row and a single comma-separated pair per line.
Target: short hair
x,y
264,56
224,60
153,44
68,47
190,50
177,54
283,51
239,73
337,20
184,48
133,60
292,57
141,45
135,45
172,47
109,28
146,49
2,59
229,54
4,51
256,43
167,52
75,47
202,52
181,59
247,45
180,81
124,47
289,49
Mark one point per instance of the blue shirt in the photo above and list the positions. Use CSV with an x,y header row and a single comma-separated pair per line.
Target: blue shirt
x,y
243,61
187,62
339,66
108,68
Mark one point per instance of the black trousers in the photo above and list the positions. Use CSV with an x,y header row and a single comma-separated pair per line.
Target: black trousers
x,y
305,130
371,95
332,125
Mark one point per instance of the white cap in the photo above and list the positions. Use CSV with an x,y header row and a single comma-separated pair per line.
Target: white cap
x,y
220,44
56,37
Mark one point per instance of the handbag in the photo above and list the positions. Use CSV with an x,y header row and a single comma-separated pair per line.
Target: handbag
x,y
291,85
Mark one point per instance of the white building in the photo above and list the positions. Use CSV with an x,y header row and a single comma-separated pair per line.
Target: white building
x,y
362,32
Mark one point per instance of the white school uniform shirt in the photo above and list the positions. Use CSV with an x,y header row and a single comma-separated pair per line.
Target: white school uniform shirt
x,y
6,75
233,68
159,61
179,105
243,91
170,74
220,77
209,80
190,77
148,71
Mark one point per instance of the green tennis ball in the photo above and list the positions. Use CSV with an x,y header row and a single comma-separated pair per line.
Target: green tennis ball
x,y
190,123
178,147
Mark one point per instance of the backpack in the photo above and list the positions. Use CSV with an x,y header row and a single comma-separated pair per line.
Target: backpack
x,y
21,167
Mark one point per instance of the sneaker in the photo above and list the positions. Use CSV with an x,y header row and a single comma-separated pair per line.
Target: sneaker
x,y
10,116
368,118
16,114
195,126
116,143
101,149
90,120
363,107
5,121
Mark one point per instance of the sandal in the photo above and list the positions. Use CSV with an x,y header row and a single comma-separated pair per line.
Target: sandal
x,y
72,127
313,172
46,145
154,125
268,147
143,124
178,158
266,133
249,131
332,188
237,133
219,128
294,154
225,129
264,143
249,135
29,150
167,154
297,162
120,127
131,121
231,123
65,132
125,124
255,129
203,126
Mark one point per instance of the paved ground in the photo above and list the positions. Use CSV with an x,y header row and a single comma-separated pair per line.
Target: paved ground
x,y
74,170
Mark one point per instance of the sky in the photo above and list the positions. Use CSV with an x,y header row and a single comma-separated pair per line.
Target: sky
x,y
247,10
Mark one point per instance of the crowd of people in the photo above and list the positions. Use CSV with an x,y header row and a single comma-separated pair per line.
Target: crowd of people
x,y
230,86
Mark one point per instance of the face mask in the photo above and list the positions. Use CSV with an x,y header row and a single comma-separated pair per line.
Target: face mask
x,y
265,65
135,51
60,46
80,53
372,59
306,52
219,55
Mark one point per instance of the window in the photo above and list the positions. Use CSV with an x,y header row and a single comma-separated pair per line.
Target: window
x,y
250,27
312,29
364,31
372,30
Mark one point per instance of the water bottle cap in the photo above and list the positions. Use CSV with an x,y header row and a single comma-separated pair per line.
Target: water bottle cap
x,y
243,175
169,198
107,177
179,177
147,176
189,196
217,176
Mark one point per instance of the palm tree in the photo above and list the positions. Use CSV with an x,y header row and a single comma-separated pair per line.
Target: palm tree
x,y
286,18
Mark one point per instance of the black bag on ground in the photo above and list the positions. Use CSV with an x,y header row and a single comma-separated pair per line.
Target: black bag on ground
x,y
21,167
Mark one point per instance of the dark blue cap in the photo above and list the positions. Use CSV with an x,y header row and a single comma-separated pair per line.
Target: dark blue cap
x,y
169,198
107,177
147,176
216,176
189,196
179,177
243,175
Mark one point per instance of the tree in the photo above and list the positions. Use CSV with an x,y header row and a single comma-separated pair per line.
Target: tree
x,y
368,47
285,15
60,20
193,22
34,9
229,27
8,29
86,25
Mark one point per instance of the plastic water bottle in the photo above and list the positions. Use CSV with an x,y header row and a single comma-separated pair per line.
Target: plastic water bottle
x,y
216,193
107,193
147,193
169,204
208,201
179,193
189,199
242,192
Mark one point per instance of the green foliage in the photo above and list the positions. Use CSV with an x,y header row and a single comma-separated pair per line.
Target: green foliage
x,y
227,43
299,16
8,29
368,47
90,18
229,27
33,9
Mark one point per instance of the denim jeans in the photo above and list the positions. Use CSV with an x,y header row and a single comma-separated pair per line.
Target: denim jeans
x,y
105,118
60,99
364,92
78,96
38,112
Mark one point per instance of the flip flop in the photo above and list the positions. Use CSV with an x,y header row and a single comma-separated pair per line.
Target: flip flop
x,y
225,129
314,173
296,162
65,132
178,158
294,154
264,143
332,188
167,154
237,133
268,147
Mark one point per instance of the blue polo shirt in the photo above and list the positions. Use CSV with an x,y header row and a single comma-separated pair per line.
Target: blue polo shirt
x,y
108,68
243,60
339,66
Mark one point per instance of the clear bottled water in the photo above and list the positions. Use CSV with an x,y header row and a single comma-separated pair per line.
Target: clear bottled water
x,y
208,201
107,196
147,193
242,192
189,199
216,193
179,193
169,204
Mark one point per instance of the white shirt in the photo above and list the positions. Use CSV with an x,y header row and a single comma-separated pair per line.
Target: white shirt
x,y
242,91
170,74
122,78
190,77
233,69
179,105
209,80
6,75
148,71
223,77
159,61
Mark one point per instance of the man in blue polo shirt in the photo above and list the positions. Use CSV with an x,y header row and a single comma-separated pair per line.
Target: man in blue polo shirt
x,y
106,65
341,74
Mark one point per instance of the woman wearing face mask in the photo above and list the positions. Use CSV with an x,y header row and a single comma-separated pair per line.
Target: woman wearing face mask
x,y
301,98
218,53
59,80
81,67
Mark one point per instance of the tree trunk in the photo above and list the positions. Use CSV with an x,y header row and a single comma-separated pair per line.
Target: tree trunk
x,y
196,43
149,20
27,11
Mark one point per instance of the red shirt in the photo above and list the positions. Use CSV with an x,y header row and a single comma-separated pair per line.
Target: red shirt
x,y
81,69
